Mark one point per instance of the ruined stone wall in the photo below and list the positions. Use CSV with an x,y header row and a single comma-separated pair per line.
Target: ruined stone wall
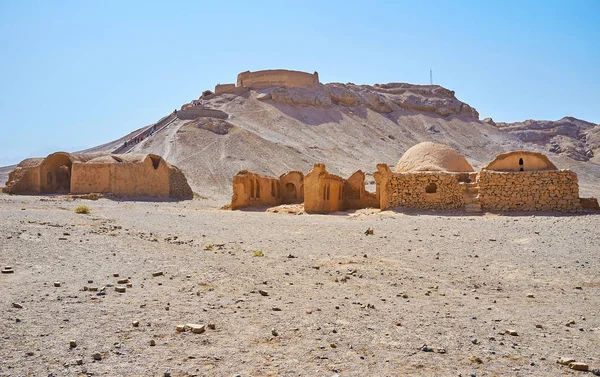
x,y
323,192
355,194
277,77
229,89
198,111
23,180
254,190
529,191
425,190
292,187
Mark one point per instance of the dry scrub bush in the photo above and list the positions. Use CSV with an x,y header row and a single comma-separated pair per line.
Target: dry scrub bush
x,y
83,209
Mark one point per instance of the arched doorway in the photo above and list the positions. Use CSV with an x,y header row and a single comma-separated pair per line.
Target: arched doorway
x,y
56,174
291,193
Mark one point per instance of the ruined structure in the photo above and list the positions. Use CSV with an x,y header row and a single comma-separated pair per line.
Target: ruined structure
x,y
267,79
128,175
433,177
254,190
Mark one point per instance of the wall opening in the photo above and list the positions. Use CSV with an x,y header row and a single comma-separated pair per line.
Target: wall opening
x,y
155,161
273,193
257,190
521,164
431,188
290,188
57,170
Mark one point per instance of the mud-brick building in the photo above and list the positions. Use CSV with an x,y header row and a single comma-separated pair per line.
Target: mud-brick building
x,y
127,175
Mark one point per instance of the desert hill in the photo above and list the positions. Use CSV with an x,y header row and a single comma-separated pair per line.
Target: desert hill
x,y
270,128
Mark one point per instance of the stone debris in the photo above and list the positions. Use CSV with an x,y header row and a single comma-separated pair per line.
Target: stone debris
x,y
7,270
157,273
152,342
511,332
57,284
263,292
122,281
530,295
180,328
476,359
565,360
116,275
135,323
195,328
274,332
369,231
72,344
120,289
212,326
97,356
426,348
579,366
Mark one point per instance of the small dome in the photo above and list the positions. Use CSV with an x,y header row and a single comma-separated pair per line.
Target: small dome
x,y
429,156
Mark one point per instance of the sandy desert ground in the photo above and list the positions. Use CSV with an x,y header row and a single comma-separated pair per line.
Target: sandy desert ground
x,y
324,298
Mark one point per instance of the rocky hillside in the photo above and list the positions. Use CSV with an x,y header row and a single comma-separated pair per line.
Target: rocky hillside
x,y
349,127
572,137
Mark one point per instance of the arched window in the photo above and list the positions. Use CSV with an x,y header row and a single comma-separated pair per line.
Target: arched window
x,y
521,164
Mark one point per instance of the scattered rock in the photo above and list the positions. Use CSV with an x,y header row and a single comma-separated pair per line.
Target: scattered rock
x,y
72,344
212,326
538,326
16,305
476,359
135,323
8,270
426,348
274,332
122,281
276,309
441,350
530,295
579,366
97,356
195,328
152,343
120,289
157,273
596,372
57,284
369,231
116,275
565,360
511,332
263,292
180,328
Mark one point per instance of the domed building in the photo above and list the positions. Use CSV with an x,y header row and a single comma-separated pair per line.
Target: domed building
x,y
429,156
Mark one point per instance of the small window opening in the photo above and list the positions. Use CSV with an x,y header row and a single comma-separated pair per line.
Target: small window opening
x,y
252,188
521,164
431,188
328,192
257,190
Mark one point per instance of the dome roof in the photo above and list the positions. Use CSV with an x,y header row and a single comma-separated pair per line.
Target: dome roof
x,y
429,156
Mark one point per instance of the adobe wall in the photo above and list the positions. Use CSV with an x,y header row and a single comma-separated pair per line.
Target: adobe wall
x,y
254,190
229,89
277,77
292,187
355,194
23,180
323,192
410,190
517,160
197,112
529,191
90,178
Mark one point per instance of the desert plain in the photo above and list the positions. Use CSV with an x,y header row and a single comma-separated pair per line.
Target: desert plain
x,y
284,293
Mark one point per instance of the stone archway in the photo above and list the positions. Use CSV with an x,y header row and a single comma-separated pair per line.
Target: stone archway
x,y
291,192
56,174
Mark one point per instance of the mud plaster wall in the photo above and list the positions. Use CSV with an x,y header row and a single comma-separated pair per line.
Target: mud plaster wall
x,y
292,187
23,181
229,89
277,77
410,190
254,190
323,192
355,194
531,162
121,179
529,191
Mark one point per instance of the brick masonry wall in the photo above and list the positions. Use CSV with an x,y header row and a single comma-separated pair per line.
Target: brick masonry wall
x,y
555,190
409,190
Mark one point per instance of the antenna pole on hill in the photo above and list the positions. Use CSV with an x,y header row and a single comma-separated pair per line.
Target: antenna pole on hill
x,y
430,76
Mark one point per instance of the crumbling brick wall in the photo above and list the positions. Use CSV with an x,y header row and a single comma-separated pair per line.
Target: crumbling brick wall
x,y
556,190
425,190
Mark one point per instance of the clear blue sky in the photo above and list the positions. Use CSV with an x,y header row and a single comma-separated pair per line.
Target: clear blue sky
x,y
75,74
